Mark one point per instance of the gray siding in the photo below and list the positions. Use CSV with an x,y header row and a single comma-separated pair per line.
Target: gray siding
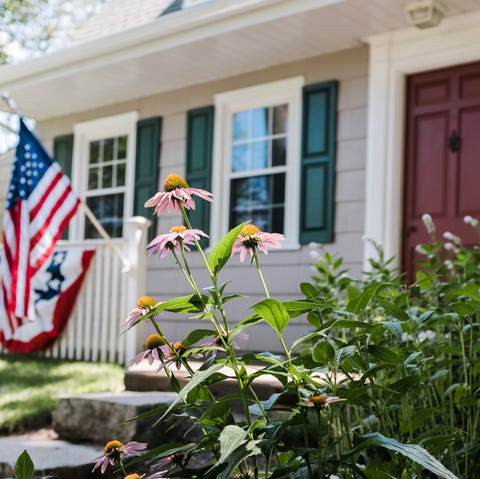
x,y
284,270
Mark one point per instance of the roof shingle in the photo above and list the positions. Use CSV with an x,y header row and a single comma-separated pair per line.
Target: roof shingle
x,y
119,15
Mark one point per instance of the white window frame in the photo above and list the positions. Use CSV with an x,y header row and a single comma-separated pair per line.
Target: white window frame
x,y
86,132
281,92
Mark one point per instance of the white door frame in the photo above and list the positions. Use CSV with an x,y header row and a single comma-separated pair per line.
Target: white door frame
x,y
393,56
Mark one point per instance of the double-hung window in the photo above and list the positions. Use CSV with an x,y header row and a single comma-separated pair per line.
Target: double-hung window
x,y
103,171
256,158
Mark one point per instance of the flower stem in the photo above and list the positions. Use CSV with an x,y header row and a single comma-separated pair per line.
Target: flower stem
x,y
260,275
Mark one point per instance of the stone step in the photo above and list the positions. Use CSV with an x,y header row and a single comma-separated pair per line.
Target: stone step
x,y
51,457
145,377
102,417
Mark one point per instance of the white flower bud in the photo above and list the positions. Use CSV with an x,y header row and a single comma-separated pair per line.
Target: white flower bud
x,y
428,222
451,237
449,265
470,221
419,249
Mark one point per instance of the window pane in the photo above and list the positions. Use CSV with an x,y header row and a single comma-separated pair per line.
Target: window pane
x,y
108,149
93,178
94,152
121,147
240,157
259,155
260,199
107,177
280,119
259,122
121,174
279,153
240,125
109,211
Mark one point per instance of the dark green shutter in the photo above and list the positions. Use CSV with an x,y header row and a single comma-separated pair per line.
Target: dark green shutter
x,y
318,162
199,163
146,168
63,153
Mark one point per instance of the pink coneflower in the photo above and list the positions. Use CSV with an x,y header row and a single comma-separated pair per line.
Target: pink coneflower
x,y
115,452
172,356
144,305
319,401
176,191
177,236
252,239
155,350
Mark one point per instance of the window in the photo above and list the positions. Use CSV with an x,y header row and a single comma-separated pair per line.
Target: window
x,y
103,168
256,158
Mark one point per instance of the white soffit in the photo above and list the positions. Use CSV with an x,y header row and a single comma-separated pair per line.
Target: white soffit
x,y
215,40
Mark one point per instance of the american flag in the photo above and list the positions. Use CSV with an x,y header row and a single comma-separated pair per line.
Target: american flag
x,y
40,203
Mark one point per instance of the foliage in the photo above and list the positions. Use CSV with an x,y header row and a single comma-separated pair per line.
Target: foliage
x,y
30,386
37,25
385,385
23,468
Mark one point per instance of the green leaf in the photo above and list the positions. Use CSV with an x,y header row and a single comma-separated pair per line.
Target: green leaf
x,y
383,354
406,383
358,300
413,452
231,438
222,251
184,304
216,414
199,377
196,336
309,290
464,309
393,309
323,352
23,468
273,312
295,308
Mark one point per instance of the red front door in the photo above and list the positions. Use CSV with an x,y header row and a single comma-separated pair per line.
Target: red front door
x,y
442,169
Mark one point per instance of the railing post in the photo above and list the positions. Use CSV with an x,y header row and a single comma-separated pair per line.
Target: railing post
x,y
136,235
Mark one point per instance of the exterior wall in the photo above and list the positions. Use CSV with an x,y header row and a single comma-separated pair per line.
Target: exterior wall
x,y
284,270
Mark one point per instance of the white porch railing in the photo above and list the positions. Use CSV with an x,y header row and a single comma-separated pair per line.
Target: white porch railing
x,y
107,296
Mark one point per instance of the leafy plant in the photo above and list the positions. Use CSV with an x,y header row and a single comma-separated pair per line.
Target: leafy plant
x,y
360,394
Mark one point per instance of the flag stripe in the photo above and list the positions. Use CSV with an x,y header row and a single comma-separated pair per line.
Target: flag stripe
x,y
40,203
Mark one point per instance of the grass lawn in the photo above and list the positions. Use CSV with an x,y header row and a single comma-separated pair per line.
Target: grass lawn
x,y
30,386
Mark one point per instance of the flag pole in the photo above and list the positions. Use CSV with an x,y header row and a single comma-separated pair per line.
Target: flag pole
x,y
126,263
9,128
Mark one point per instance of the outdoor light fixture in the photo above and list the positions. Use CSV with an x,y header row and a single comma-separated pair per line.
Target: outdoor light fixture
x,y
425,13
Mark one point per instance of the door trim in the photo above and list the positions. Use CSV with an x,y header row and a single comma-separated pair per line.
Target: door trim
x,y
393,56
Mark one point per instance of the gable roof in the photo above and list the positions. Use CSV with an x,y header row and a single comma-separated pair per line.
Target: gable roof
x,y
120,15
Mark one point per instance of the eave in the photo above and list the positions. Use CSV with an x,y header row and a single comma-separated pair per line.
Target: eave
x,y
216,40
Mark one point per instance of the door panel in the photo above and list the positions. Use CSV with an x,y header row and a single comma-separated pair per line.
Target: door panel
x,y
442,155
430,130
469,163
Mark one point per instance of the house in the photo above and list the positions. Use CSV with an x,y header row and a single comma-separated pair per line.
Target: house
x,y
327,120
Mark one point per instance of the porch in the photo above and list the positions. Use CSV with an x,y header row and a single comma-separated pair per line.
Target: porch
x,y
113,284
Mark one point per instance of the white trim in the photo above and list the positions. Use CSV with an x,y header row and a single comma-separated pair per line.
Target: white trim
x,y
166,32
124,124
284,91
393,56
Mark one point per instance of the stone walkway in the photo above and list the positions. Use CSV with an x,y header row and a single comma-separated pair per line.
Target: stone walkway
x,y
51,453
